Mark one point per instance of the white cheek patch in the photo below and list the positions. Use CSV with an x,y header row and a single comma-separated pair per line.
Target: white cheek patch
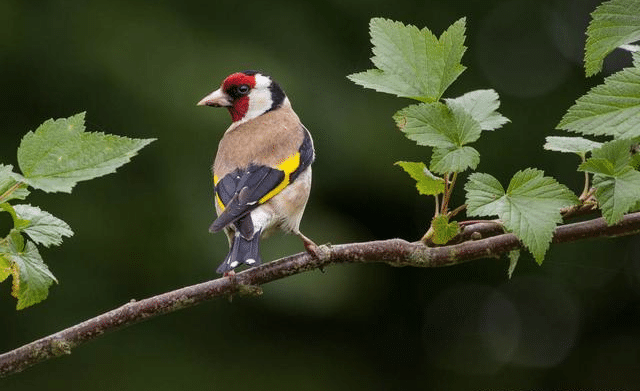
x,y
259,103
262,81
259,97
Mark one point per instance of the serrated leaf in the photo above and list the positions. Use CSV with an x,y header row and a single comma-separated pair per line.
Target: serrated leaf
x,y
617,194
437,125
426,124
618,152
611,109
577,145
443,230
33,278
613,23
43,227
59,154
426,182
616,181
482,105
9,187
609,159
380,81
455,159
412,62
484,194
598,166
530,208
514,256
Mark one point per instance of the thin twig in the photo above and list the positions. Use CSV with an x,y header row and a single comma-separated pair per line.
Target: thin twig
x,y
395,252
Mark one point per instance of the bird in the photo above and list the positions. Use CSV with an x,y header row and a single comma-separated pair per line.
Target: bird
x,y
262,168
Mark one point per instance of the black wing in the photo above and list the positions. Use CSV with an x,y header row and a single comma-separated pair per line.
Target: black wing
x,y
241,190
307,154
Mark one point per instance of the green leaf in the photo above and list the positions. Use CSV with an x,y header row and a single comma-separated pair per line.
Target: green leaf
x,y
611,109
9,187
426,182
598,166
32,280
635,160
633,49
443,230
610,158
530,208
454,159
15,241
616,181
484,194
413,63
59,154
43,227
577,145
514,256
437,125
614,23
617,194
5,267
482,105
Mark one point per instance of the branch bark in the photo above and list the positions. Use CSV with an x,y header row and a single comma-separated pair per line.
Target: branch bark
x,y
484,240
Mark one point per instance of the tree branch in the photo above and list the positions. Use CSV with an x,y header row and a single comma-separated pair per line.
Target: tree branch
x,y
484,240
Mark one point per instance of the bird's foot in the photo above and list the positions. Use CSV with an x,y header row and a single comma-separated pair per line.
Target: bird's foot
x,y
309,245
319,252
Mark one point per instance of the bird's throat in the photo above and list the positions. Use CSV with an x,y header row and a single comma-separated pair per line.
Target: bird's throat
x,y
239,108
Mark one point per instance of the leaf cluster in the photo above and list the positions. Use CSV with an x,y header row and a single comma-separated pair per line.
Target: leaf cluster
x,y
609,111
413,63
53,158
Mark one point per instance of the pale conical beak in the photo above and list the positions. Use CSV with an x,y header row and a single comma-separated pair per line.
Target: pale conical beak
x,y
217,98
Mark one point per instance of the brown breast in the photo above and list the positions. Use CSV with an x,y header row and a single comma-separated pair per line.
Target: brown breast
x,y
265,140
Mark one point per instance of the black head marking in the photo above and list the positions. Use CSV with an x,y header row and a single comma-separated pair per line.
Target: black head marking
x,y
277,95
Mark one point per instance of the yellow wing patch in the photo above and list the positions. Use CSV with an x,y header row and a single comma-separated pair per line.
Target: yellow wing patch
x,y
289,165
218,200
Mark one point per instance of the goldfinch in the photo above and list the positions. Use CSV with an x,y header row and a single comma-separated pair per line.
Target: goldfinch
x,y
262,170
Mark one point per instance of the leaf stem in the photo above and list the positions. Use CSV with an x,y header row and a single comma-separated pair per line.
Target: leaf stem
x,y
457,210
585,192
426,238
448,189
10,191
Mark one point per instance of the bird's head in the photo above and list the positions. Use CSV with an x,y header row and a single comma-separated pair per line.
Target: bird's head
x,y
246,95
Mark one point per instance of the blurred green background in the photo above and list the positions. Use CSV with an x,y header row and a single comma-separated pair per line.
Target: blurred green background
x,y
138,68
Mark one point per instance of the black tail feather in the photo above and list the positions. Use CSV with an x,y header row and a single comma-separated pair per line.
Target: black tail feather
x,y
242,252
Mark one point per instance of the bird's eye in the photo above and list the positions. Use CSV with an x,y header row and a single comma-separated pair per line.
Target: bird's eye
x,y
243,89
